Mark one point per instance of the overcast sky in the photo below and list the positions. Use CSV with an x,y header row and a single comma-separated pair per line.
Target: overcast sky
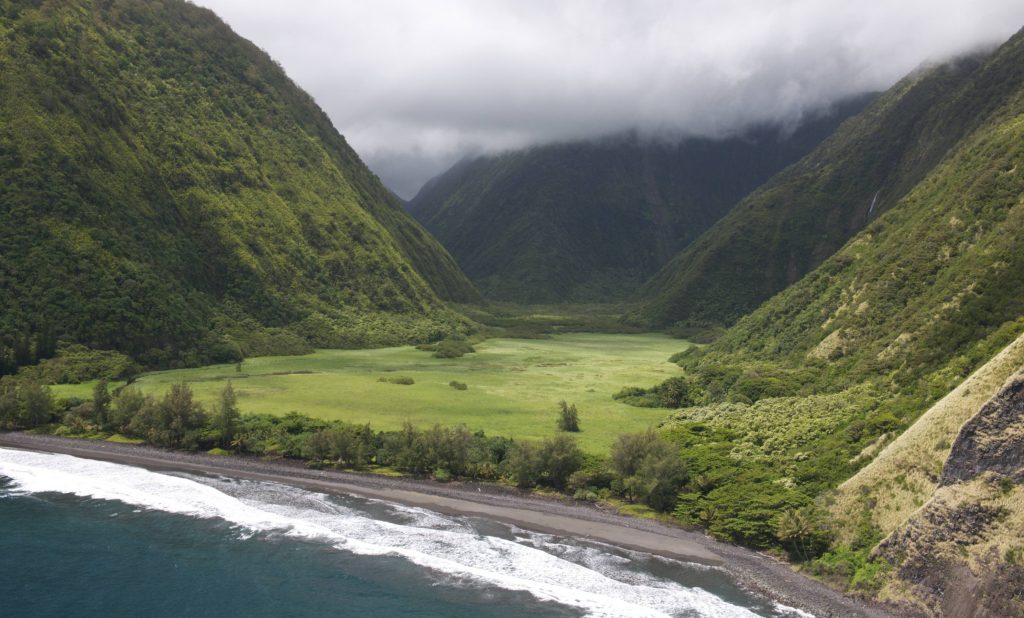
x,y
416,84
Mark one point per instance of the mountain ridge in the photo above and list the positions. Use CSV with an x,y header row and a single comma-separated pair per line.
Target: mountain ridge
x,y
808,211
590,220
170,193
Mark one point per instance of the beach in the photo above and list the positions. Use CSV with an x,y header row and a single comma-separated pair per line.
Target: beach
x,y
760,573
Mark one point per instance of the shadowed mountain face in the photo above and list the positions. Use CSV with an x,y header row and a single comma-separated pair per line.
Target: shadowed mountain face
x,y
590,221
168,192
804,214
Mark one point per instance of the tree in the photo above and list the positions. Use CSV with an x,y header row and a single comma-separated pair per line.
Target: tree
x,y
659,478
184,413
568,417
173,421
629,451
559,458
226,415
348,445
124,407
407,451
524,464
650,469
675,393
23,351
37,404
46,343
7,365
9,405
802,529
101,403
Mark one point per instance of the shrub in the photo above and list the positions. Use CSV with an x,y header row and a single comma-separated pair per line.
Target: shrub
x,y
397,380
450,348
459,386
585,495
637,397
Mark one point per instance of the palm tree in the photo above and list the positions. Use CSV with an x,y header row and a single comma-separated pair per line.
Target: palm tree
x,y
797,527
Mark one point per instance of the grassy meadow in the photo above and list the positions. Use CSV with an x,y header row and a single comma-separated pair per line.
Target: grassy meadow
x,y
513,385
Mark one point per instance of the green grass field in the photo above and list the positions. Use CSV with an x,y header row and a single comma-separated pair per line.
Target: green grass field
x,y
514,385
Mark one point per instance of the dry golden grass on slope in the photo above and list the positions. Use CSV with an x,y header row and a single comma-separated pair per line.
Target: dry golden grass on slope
x,y
963,568
905,474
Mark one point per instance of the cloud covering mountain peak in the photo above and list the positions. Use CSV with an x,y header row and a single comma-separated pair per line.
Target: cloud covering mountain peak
x,y
416,85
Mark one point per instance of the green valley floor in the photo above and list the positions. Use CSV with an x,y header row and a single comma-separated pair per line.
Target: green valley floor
x,y
513,386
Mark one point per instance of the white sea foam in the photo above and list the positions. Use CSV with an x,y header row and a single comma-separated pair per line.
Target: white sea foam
x,y
590,580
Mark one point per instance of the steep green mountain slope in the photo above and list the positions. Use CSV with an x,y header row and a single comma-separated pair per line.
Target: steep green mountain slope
x,y
590,221
807,212
168,192
807,389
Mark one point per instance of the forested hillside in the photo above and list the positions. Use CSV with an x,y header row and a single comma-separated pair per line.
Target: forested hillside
x,y
590,221
807,212
168,192
807,389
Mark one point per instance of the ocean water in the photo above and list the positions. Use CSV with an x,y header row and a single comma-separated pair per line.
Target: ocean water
x,y
87,538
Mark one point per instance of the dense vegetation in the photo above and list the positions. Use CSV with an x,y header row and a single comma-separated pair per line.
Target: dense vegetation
x,y
590,221
802,392
803,215
169,193
642,468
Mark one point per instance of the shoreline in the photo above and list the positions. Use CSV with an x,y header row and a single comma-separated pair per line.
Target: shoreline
x,y
760,573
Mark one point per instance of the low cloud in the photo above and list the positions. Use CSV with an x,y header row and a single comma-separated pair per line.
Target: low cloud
x,y
416,85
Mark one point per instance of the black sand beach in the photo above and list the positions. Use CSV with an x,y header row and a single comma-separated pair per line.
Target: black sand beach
x,y
756,571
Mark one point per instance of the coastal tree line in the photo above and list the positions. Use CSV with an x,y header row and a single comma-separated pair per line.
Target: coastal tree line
x,y
671,472
642,467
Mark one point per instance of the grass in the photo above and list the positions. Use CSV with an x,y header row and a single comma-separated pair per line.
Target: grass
x,y
514,385
118,438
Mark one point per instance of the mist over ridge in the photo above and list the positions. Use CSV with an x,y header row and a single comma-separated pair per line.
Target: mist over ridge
x,y
416,86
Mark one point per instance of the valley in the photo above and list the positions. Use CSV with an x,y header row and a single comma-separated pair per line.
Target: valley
x,y
513,386
797,332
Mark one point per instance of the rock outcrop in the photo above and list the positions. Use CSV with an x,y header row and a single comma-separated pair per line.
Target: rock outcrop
x,y
962,552
992,441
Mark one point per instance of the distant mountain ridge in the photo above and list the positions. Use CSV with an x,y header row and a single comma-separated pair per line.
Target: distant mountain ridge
x,y
592,220
168,192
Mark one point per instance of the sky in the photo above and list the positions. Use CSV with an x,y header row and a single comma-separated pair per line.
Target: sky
x,y
415,85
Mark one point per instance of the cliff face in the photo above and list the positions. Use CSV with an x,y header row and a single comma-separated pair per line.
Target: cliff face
x,y
992,441
962,553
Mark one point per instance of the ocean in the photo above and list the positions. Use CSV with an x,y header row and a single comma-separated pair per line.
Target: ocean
x,y
86,538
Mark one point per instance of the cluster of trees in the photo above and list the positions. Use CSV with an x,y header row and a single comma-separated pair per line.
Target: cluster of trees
x,y
26,349
674,392
25,404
